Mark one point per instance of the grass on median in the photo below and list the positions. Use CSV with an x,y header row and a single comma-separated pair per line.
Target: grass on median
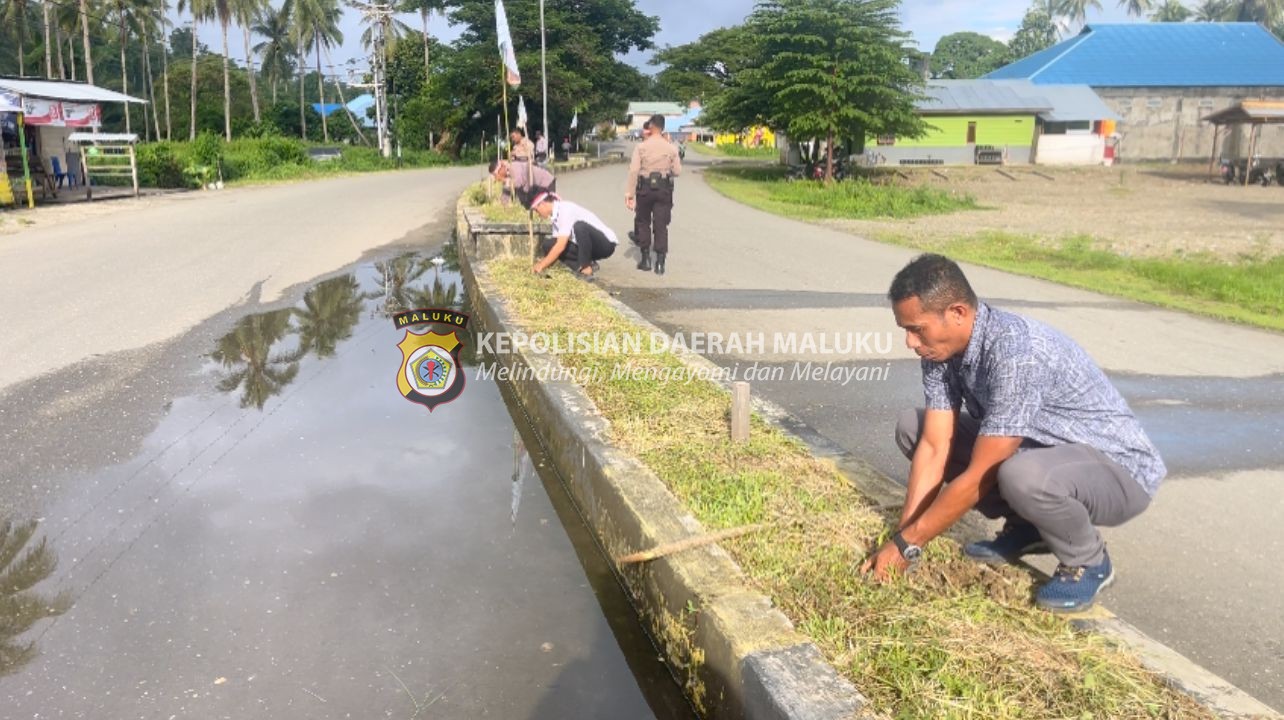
x,y
1249,291
767,188
734,151
954,640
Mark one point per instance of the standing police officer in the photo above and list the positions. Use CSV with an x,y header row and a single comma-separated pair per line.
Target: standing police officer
x,y
650,193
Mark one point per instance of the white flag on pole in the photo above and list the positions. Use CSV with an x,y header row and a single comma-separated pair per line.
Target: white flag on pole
x,y
575,121
521,112
506,53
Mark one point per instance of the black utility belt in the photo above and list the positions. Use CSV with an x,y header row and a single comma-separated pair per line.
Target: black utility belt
x,y
656,181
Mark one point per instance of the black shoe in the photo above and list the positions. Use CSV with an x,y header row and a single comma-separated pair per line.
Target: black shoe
x,y
659,263
645,262
633,237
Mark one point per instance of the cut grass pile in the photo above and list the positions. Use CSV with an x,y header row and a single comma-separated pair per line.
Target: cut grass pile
x,y
953,640
734,151
767,188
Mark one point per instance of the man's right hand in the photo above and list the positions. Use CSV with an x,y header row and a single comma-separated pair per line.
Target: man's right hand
x,y
629,202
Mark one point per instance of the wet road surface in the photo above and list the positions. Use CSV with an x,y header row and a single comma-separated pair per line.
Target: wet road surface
x,y
293,539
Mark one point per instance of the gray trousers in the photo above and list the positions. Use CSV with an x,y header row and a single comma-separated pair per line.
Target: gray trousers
x,y
1065,491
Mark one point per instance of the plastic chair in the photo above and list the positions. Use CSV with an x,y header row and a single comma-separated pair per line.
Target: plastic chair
x,y
73,169
58,174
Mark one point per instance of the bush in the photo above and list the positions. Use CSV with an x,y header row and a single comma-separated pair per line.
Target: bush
x,y
257,157
207,149
159,165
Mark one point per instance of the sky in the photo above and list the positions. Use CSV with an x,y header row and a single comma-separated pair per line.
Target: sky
x,y
682,21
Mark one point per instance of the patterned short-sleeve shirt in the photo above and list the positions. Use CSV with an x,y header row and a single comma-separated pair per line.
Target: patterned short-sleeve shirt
x,y
1021,378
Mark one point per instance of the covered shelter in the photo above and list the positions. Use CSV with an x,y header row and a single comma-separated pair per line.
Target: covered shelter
x,y
37,121
1254,114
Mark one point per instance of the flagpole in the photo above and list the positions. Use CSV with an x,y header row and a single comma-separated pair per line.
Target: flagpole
x,y
543,66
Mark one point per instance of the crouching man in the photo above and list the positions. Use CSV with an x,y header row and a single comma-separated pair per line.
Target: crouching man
x,y
579,237
1046,443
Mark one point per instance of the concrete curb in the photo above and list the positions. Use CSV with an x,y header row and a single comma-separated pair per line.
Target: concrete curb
x,y
736,655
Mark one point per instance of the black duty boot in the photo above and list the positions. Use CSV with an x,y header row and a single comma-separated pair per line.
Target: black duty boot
x,y
659,263
645,262
633,237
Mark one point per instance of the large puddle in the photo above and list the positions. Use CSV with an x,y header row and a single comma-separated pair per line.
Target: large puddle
x,y
296,540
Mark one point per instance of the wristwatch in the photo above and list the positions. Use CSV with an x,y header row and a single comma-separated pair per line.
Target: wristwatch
x,y
912,553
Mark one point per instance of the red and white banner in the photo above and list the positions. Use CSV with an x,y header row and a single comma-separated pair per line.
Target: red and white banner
x,y
43,112
10,102
81,115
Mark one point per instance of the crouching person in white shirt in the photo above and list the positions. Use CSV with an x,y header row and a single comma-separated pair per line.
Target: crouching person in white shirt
x,y
579,238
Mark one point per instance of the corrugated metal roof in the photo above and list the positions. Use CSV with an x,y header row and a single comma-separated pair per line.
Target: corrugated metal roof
x,y
964,96
1057,103
63,90
1249,111
655,108
1149,54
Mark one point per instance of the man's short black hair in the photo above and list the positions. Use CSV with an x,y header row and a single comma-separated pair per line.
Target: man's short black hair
x,y
937,281
494,165
657,122
520,131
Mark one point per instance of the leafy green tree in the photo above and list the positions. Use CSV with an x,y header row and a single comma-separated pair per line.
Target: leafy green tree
x,y
966,55
425,8
584,74
317,28
701,69
246,12
1076,10
15,14
1171,11
1038,31
824,69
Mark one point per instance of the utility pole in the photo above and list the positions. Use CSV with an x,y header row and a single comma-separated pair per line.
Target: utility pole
x,y
379,14
543,71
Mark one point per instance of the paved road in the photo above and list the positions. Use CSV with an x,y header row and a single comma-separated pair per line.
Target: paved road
x,y
147,271
1200,570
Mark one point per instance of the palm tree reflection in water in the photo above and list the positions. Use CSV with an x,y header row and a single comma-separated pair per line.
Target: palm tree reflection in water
x,y
246,353
20,607
330,311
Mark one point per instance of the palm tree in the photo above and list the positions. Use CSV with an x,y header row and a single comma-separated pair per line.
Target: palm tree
x,y
20,608
162,24
246,353
16,15
1075,10
84,29
318,24
222,10
200,10
425,8
125,12
330,311
1136,8
1266,12
1171,11
394,277
245,12
44,9
1211,11
276,52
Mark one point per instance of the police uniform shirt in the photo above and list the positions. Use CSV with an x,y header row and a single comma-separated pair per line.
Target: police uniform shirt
x,y
524,150
566,214
526,176
654,155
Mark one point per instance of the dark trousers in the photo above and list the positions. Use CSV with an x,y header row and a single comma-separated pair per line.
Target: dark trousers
x,y
651,217
525,197
590,245
1065,490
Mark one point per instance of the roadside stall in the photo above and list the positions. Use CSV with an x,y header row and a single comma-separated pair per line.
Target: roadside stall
x,y
37,121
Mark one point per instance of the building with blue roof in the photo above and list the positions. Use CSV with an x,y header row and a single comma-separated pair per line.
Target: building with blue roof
x,y
1163,79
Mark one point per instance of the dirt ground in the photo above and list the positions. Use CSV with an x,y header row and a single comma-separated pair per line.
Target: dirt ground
x,y
1139,210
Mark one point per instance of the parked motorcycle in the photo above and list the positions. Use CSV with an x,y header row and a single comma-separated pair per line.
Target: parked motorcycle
x,y
1259,172
1227,171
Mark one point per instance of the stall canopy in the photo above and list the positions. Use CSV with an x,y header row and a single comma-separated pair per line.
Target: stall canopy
x,y
1254,114
54,103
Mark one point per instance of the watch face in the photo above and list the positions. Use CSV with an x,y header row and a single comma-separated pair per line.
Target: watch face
x,y
913,553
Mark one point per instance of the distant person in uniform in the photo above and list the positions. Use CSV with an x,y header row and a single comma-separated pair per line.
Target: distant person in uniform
x,y
527,180
566,147
541,148
1047,442
523,148
649,193
579,237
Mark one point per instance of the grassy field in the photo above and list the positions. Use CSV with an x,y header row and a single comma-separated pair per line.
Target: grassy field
x,y
766,188
1248,289
734,151
953,640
